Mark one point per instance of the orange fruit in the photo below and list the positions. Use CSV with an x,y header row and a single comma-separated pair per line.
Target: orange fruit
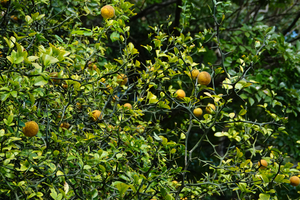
x,y
197,112
107,12
204,78
96,114
294,180
194,73
210,108
128,105
122,79
31,129
262,164
180,94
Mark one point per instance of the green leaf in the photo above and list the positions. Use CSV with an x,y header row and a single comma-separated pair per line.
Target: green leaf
x,y
31,97
39,80
242,112
122,187
264,196
14,93
279,178
48,60
115,36
53,194
10,118
4,96
251,101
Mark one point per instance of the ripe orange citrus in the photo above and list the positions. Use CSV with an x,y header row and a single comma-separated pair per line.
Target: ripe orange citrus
x,y
96,114
107,12
262,164
122,79
210,108
128,105
180,94
195,73
197,112
294,180
204,78
31,129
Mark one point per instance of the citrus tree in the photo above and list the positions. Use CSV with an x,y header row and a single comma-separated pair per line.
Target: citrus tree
x,y
86,116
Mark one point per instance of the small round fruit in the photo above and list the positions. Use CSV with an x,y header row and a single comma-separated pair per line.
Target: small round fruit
x,y
197,112
31,129
210,108
294,180
204,78
194,73
122,79
96,114
128,105
107,12
262,164
180,94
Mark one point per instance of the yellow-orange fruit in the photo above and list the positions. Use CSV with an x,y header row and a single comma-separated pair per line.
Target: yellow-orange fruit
x,y
194,73
262,164
204,78
210,108
128,105
107,12
96,114
122,79
180,94
294,180
31,129
197,112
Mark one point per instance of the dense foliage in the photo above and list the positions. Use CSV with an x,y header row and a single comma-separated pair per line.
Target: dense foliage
x,y
113,121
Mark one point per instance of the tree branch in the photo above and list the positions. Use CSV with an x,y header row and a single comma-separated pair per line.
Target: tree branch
x,y
291,25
